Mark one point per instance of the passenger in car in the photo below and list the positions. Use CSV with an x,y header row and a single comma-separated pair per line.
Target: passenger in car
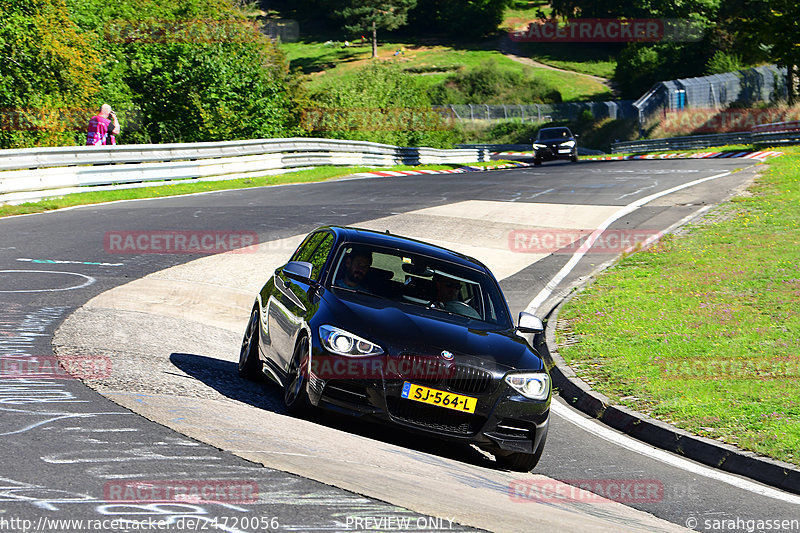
x,y
356,265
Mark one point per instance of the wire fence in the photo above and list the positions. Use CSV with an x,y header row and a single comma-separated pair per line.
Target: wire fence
x,y
766,83
541,112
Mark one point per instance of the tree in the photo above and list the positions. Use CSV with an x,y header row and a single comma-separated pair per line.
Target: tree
x,y
780,33
765,30
473,19
47,74
369,15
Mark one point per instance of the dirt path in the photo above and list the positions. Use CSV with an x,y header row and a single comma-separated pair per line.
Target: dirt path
x,y
511,50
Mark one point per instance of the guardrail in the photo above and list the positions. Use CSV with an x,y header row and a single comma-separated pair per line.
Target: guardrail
x,y
688,142
770,134
43,169
521,148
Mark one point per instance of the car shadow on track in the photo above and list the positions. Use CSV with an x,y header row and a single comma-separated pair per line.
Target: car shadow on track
x,y
222,377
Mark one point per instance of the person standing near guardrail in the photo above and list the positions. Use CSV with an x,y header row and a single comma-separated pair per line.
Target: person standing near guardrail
x,y
100,130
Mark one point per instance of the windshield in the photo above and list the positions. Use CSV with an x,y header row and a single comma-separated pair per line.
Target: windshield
x,y
555,133
421,281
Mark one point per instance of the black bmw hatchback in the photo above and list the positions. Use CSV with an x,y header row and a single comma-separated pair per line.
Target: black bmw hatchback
x,y
403,332
555,143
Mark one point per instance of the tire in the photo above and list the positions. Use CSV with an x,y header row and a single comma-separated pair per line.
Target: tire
x,y
295,394
523,462
537,162
249,363
574,158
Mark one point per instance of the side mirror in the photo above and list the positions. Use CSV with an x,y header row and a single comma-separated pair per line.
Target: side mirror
x,y
529,323
300,270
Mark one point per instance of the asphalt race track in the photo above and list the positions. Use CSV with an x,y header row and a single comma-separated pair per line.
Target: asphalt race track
x,y
168,325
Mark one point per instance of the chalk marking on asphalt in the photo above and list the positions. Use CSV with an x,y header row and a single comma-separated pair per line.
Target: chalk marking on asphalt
x,y
592,426
63,262
545,293
531,197
89,281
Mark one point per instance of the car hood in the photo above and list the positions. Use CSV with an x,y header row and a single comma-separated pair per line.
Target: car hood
x,y
410,329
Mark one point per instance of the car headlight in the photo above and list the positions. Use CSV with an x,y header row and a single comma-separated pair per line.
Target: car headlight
x,y
342,342
570,144
533,385
537,146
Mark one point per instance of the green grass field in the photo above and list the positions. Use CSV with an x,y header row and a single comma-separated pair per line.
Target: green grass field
x,y
702,330
325,64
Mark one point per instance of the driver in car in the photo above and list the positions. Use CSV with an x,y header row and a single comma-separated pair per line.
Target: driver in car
x,y
447,290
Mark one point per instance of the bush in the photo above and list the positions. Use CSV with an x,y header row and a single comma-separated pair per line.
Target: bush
x,y
722,62
380,104
487,84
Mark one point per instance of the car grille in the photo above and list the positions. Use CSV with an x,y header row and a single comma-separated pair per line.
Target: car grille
x,y
423,370
514,429
434,418
347,391
469,380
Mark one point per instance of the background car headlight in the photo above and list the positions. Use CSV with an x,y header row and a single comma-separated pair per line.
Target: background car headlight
x,y
533,385
537,146
569,144
342,342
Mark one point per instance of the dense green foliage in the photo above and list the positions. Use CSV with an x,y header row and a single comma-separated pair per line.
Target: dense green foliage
x,y
488,84
381,104
459,19
197,71
47,69
476,18
735,33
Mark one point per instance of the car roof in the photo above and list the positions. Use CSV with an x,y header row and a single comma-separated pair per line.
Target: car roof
x,y
390,240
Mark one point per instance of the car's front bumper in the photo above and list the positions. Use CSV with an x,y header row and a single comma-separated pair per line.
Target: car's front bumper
x,y
503,419
551,153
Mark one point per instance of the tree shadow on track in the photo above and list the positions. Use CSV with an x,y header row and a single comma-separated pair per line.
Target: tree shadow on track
x,y
222,377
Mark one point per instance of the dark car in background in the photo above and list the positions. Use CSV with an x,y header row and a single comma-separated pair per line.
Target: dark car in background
x,y
402,332
555,143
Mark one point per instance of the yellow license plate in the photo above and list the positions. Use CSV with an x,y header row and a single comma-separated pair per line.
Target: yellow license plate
x,y
456,402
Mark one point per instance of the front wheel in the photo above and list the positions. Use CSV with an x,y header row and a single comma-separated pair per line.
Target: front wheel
x,y
295,395
537,162
249,364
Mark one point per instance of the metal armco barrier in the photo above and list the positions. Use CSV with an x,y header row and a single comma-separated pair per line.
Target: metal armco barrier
x,y
776,134
42,169
688,142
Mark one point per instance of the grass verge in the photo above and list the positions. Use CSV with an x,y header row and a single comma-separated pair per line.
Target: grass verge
x,y
702,330
180,187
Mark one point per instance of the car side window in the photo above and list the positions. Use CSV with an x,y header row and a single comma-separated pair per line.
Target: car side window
x,y
315,250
